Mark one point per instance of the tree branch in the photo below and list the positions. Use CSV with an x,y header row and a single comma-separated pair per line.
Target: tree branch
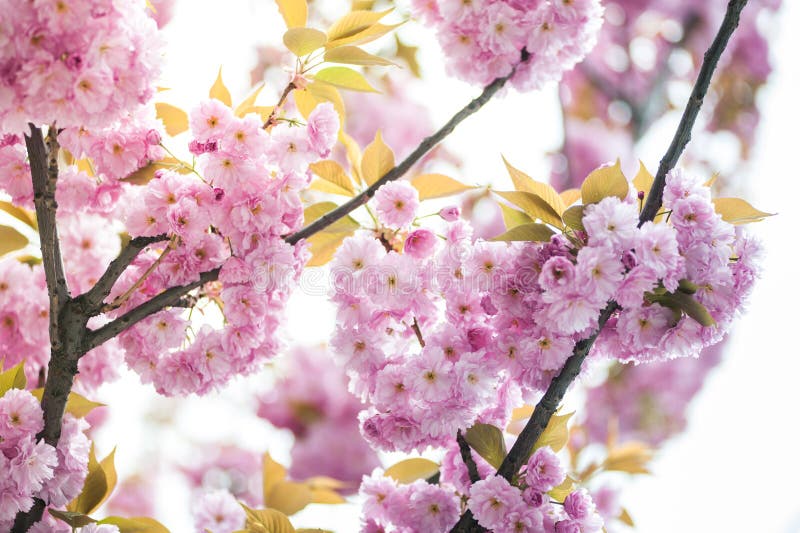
x,y
171,296
424,147
555,392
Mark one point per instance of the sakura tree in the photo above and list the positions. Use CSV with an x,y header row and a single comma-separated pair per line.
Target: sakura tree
x,y
172,241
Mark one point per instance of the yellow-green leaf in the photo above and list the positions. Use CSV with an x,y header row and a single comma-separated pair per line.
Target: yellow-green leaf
x,y
20,213
488,442
72,519
77,405
527,232
325,243
344,78
328,187
570,196
534,205
631,457
643,180
523,182
368,35
219,91
272,473
563,490
267,521
437,186
353,55
326,496
573,217
625,518
137,524
294,12
555,434
378,159
604,182
353,152
514,217
288,497
333,172
410,470
175,119
738,211
354,23
13,378
316,93
11,240
97,487
686,303
303,41
248,105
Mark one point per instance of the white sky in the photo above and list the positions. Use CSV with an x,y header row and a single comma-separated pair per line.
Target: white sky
x,y
733,470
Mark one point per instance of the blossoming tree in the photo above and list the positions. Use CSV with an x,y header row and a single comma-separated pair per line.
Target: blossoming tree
x,y
172,241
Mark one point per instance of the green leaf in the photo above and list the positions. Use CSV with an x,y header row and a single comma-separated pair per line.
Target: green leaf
x,y
344,78
604,182
303,41
333,172
353,24
175,119
353,55
523,182
555,434
72,519
100,481
294,12
527,232
685,303
378,159
534,205
514,217
737,211
561,492
488,442
219,91
410,470
13,378
20,213
437,186
137,524
573,217
11,240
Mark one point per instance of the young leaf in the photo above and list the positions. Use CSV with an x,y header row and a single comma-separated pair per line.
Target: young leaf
x,y
561,492
410,470
354,23
737,211
97,487
137,524
534,205
345,78
625,518
378,159
353,55
316,93
514,217
643,180
20,213
248,105
326,496
527,232
570,196
333,172
523,182
604,182
325,243
219,91
73,520
77,405
13,378
488,442
288,497
294,12
353,151
555,434
573,217
368,35
303,41
437,186
266,521
272,473
328,187
174,118
11,240
631,457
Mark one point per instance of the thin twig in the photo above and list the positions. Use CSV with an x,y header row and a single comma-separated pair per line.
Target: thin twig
x,y
122,298
466,456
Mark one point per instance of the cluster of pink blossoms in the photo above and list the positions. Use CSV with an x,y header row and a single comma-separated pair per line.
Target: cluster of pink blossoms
x,y
35,469
310,398
453,331
74,63
483,39
234,219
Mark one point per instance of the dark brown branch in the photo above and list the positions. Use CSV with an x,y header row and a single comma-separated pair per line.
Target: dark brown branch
x,y
684,131
94,297
424,147
547,406
466,456
171,296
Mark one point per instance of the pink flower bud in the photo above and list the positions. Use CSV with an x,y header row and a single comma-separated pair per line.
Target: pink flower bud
x,y
450,213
